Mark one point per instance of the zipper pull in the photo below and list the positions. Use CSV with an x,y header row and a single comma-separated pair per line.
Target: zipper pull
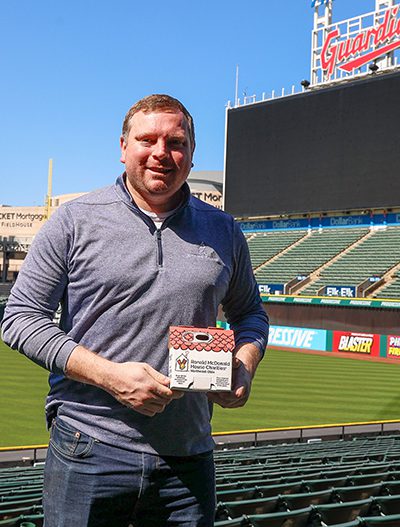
x,y
159,247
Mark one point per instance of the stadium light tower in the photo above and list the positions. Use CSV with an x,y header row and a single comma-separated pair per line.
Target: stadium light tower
x,y
49,189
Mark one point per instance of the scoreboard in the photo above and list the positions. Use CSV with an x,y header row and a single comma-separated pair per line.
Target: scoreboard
x,y
327,149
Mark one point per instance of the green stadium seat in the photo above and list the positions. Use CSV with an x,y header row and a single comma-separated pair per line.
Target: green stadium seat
x,y
306,499
385,505
18,511
381,521
234,509
34,520
298,518
342,512
355,523
390,487
20,503
356,493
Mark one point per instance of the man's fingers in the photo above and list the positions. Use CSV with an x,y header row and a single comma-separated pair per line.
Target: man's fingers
x,y
236,363
240,392
224,400
161,392
229,400
157,376
177,394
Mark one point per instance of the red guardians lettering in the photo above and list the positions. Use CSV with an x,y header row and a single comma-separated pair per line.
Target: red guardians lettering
x,y
368,45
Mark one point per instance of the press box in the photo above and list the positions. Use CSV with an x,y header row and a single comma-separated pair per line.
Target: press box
x,y
200,359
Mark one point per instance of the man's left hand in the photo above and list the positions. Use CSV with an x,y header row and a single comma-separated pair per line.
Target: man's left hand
x,y
245,362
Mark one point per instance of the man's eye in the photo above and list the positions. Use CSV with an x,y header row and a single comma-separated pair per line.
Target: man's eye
x,y
178,142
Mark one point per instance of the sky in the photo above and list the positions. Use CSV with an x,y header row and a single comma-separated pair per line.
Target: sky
x,y
70,70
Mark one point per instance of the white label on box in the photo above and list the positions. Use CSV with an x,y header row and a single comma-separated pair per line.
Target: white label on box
x,y
200,370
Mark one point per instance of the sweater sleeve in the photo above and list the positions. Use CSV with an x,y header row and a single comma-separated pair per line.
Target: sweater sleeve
x,y
28,324
242,304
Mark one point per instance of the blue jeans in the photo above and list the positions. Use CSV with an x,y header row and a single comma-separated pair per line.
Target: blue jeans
x,y
89,483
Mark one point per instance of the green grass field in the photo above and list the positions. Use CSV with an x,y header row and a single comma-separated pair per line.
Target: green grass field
x,y
290,389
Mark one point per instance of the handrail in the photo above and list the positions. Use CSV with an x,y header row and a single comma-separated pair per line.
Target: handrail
x,y
307,427
256,432
341,430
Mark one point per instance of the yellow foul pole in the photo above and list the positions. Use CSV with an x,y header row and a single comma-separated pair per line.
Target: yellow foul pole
x,y
49,189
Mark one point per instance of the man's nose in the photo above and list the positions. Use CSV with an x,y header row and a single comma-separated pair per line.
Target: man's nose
x,y
161,149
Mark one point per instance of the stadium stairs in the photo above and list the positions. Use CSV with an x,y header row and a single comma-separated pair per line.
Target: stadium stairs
x,y
391,284
314,276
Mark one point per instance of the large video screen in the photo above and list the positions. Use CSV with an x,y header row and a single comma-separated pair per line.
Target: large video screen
x,y
331,149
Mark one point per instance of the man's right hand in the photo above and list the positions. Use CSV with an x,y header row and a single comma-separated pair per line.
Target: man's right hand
x,y
134,384
141,387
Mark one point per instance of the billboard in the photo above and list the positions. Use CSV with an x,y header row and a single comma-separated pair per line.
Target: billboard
x,y
348,47
21,222
393,347
299,338
367,344
348,291
332,149
271,289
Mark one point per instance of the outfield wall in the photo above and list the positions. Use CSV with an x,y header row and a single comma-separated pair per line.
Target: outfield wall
x,y
360,318
337,342
362,345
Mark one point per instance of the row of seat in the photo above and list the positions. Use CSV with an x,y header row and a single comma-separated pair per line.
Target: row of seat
x,y
337,499
279,257
310,517
330,483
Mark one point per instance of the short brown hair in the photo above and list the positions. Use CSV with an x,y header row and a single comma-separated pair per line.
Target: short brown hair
x,y
156,103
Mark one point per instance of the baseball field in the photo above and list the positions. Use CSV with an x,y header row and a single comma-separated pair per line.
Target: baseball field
x,y
290,389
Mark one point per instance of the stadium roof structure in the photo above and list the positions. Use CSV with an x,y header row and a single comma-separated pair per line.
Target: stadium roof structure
x,y
204,179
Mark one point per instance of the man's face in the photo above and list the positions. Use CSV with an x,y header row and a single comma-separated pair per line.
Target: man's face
x,y
157,156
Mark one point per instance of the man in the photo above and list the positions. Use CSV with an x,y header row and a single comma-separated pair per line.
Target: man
x,y
126,262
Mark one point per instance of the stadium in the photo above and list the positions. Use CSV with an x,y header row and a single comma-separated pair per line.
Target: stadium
x,y
312,178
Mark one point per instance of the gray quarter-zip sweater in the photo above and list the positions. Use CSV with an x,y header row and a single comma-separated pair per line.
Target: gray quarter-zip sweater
x,y
121,283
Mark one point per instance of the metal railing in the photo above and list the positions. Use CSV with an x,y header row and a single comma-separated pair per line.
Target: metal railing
x,y
306,433
35,453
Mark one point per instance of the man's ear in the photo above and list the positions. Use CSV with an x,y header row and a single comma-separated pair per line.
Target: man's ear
x,y
122,144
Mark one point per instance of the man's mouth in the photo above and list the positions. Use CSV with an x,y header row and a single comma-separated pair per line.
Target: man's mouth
x,y
160,170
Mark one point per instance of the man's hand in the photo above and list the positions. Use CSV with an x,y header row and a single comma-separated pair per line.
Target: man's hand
x,y
139,386
245,362
134,384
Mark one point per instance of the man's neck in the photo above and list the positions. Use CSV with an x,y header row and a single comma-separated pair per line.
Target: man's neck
x,y
159,204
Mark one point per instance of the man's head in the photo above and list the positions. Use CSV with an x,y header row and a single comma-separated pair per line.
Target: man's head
x,y
157,103
157,145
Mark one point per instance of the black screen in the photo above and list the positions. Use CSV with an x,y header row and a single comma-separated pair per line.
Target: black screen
x,y
331,149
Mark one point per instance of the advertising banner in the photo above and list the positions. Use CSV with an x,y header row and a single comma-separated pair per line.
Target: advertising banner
x,y
19,222
366,344
269,225
348,291
393,347
271,289
302,338
360,220
213,197
346,221
351,45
